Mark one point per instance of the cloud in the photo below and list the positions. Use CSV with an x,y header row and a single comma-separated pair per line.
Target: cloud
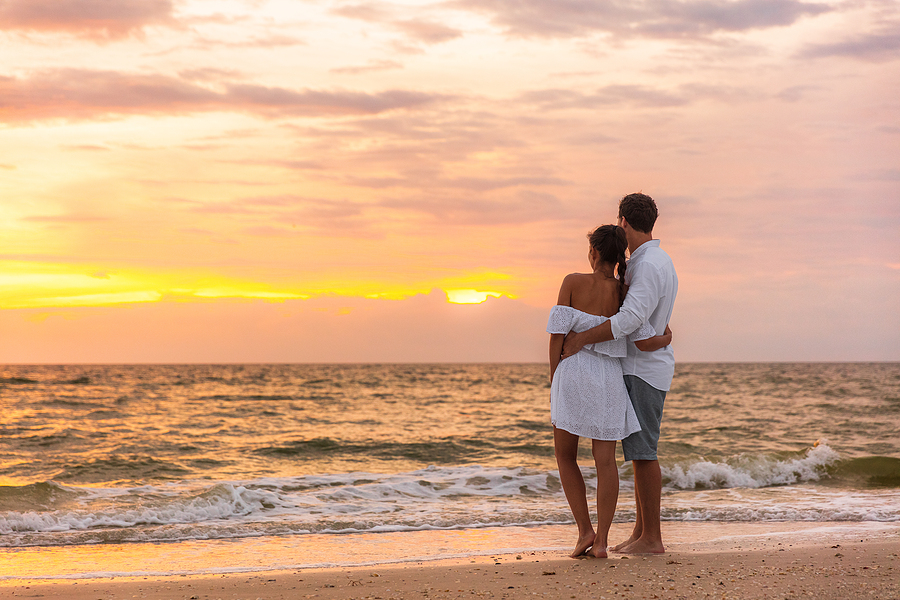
x,y
209,44
523,206
372,65
424,328
470,184
630,95
87,147
639,18
211,74
77,94
426,31
91,18
290,214
70,218
874,47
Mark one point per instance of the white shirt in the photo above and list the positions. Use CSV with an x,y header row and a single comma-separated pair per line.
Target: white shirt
x,y
652,285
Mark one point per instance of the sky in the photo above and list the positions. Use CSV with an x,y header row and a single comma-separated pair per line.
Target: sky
x,y
356,181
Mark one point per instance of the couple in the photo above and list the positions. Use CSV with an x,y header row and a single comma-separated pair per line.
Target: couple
x,y
610,372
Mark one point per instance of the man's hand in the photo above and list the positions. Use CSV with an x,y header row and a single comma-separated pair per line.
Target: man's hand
x,y
572,344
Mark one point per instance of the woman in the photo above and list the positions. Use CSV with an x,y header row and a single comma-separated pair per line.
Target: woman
x,y
587,391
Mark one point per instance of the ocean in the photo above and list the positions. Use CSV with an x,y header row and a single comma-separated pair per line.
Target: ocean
x,y
135,469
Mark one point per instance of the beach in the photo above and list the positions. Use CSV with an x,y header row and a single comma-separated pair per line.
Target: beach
x,y
786,563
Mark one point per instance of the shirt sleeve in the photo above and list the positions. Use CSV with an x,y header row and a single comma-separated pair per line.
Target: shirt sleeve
x,y
640,301
644,332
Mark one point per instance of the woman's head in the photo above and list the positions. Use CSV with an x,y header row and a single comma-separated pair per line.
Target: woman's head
x,y
610,244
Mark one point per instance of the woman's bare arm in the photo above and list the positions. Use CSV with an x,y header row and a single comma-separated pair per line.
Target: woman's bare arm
x,y
557,339
556,344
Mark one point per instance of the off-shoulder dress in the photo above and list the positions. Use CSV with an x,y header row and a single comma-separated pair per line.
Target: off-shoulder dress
x,y
588,396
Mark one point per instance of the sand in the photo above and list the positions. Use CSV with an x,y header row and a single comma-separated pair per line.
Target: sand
x,y
864,569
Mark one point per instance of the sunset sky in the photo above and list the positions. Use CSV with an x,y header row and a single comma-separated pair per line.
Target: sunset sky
x,y
329,181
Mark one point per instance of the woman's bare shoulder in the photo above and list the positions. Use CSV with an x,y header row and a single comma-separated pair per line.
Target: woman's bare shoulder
x,y
573,283
577,278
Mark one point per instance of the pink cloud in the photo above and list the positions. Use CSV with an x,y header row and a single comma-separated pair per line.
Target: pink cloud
x,y
91,18
427,31
643,18
76,94
422,30
877,46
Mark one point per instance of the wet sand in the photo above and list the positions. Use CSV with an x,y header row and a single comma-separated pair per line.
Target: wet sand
x,y
770,569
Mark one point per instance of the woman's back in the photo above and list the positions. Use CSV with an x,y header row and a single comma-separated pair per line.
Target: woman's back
x,y
593,293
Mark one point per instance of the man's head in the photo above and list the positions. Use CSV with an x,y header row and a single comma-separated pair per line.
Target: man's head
x,y
640,212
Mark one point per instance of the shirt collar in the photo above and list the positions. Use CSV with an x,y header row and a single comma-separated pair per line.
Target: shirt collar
x,y
643,248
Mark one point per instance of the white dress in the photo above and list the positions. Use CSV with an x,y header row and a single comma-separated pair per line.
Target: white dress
x,y
588,396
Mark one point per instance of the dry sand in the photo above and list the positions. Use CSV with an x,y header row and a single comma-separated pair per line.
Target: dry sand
x,y
864,569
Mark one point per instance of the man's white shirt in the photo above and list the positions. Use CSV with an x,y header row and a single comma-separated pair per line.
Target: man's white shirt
x,y
652,285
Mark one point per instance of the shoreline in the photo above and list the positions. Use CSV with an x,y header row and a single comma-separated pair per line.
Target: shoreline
x,y
786,556
867,568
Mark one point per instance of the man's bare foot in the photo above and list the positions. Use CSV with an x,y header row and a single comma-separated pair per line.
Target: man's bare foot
x,y
626,543
643,546
584,542
597,551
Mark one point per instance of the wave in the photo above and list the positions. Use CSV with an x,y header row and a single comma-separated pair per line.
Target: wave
x,y
870,471
752,471
17,381
139,506
817,464
83,380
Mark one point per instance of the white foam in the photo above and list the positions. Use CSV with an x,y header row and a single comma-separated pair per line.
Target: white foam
x,y
744,488
752,471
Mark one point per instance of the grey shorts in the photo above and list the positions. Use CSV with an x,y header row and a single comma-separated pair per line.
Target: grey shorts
x,y
648,404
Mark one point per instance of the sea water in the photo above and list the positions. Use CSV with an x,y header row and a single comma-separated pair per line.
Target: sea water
x,y
203,461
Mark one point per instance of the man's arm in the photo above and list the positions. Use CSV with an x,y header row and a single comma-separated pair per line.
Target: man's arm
x,y
576,341
640,301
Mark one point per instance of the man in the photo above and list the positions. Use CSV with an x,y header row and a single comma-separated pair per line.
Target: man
x,y
653,284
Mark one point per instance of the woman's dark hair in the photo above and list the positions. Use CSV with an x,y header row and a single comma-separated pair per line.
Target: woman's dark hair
x,y
609,241
640,211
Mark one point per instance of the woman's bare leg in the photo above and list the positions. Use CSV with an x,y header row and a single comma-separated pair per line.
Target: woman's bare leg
x,y
607,493
638,529
566,448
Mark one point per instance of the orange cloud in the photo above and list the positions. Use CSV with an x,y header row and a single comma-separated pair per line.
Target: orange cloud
x,y
425,328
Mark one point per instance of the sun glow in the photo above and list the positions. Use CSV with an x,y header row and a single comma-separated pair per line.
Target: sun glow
x,y
470,296
59,285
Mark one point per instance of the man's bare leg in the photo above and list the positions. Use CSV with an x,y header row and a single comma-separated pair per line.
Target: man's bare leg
x,y
607,493
638,520
566,449
647,479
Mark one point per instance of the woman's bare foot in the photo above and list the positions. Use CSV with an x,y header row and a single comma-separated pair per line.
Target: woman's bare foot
x,y
643,546
584,542
621,547
597,551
